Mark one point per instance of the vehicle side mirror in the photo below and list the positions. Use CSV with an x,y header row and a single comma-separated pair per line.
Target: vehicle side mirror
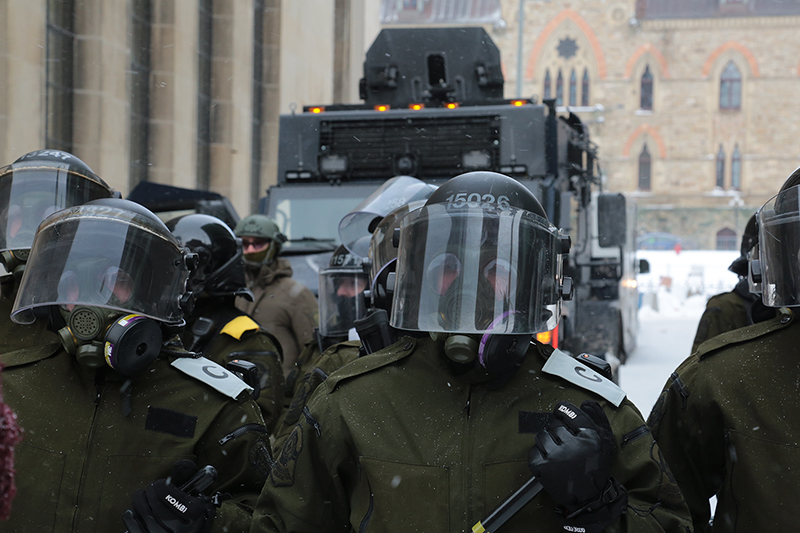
x,y
612,225
644,266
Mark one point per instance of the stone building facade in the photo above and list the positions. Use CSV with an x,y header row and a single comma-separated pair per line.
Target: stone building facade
x,y
692,104
181,92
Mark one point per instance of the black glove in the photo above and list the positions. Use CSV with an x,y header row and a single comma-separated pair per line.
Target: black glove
x,y
163,507
572,459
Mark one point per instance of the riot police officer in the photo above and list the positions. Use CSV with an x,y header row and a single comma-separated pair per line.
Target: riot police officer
x,y
35,185
215,327
739,307
283,306
114,403
726,420
432,432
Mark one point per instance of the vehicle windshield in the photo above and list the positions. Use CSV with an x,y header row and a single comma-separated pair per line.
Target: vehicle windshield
x,y
290,208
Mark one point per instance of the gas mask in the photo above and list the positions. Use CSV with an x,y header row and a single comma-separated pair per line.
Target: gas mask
x,y
94,335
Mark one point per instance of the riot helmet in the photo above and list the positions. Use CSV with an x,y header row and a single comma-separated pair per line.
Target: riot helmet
x,y
261,239
220,267
34,186
356,228
778,223
749,241
480,259
383,255
114,274
341,293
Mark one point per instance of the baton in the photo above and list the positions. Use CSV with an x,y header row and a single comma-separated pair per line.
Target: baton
x,y
509,507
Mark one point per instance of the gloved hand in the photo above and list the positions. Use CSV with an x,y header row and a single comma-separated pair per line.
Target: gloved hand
x,y
572,459
164,508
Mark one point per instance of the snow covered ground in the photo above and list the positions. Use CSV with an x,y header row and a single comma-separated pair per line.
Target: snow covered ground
x,y
674,296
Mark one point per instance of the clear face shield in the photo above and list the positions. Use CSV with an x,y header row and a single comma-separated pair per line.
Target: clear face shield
x,y
779,249
29,194
97,257
383,250
355,229
341,300
482,269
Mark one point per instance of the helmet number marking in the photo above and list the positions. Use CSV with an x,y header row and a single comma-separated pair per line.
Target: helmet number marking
x,y
459,200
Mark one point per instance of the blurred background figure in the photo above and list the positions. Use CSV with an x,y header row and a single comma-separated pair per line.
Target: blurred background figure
x,y
281,305
214,326
739,307
34,186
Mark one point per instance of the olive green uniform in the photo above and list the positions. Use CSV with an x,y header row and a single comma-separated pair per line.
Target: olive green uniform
x,y
14,336
234,335
284,307
727,423
724,312
82,457
396,442
314,367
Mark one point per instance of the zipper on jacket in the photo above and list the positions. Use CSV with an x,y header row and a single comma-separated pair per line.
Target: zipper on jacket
x,y
680,388
311,421
633,435
99,385
362,527
238,432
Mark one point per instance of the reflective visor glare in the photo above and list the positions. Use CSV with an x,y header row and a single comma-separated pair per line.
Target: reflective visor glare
x,y
779,246
28,195
462,270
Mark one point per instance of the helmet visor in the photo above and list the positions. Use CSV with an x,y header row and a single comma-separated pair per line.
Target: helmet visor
x,y
102,257
30,194
355,228
341,300
477,269
779,249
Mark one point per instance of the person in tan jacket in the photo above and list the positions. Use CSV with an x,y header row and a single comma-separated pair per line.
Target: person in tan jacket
x,y
284,307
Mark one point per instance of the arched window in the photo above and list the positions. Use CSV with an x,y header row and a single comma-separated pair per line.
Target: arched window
x,y
730,87
573,88
720,168
736,169
547,93
726,239
644,169
559,89
646,98
585,88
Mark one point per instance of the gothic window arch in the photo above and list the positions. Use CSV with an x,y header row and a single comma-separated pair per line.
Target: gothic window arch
x,y
559,89
730,87
720,168
736,169
567,50
646,90
573,88
585,88
547,83
645,169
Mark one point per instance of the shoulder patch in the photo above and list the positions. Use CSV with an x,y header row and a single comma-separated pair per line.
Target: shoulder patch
x,y
784,317
282,473
239,326
569,368
212,374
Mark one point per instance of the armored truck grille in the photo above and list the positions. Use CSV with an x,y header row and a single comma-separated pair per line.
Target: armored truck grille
x,y
426,147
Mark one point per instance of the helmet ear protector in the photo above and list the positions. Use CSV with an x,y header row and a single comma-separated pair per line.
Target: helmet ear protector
x,y
128,344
